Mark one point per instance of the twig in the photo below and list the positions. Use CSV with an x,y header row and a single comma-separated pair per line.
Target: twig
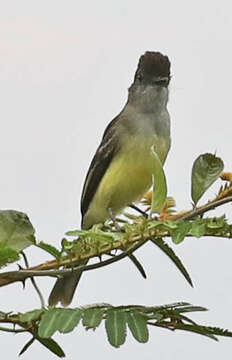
x,y
12,330
34,282
47,269
163,325
201,210
21,275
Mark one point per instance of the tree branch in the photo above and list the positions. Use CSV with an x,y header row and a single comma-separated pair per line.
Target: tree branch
x,y
20,275
15,331
127,241
197,211
205,208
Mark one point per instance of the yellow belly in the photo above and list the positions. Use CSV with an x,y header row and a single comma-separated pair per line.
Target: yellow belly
x,y
128,177
125,182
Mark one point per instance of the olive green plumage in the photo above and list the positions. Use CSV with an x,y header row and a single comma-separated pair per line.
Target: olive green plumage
x,y
122,168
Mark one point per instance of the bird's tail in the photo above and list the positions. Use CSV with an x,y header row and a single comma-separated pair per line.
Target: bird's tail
x,y
64,289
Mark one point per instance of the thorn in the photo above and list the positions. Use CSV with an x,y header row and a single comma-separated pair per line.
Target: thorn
x,y
24,283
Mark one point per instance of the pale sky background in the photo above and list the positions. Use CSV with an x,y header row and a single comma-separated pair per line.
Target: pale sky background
x,y
65,67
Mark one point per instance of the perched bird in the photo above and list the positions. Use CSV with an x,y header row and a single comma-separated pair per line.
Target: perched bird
x,y
122,168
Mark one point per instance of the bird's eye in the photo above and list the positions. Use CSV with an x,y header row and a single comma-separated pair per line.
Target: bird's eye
x,y
162,82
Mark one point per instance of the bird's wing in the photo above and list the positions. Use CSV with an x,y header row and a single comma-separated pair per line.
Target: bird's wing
x,y
104,155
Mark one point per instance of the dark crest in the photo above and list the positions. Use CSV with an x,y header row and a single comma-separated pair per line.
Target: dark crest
x,y
154,64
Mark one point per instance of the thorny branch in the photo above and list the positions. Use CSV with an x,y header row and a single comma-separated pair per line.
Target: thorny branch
x,y
125,243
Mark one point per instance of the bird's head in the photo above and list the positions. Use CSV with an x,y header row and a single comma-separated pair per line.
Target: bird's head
x,y
151,79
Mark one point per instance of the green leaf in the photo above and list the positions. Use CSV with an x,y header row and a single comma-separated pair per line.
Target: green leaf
x,y
195,329
48,323
94,234
92,317
138,326
116,327
67,245
49,249
138,265
68,319
191,308
158,316
172,306
182,230
167,224
159,185
206,170
31,315
171,254
170,224
217,331
62,320
52,345
76,232
7,255
198,228
26,346
16,231
217,223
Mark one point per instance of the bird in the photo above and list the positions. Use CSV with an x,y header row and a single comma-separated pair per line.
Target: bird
x,y
122,168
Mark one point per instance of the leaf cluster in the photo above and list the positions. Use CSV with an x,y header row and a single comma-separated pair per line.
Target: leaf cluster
x,y
17,233
42,324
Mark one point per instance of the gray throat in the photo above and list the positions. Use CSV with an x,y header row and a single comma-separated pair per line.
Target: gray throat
x,y
146,111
